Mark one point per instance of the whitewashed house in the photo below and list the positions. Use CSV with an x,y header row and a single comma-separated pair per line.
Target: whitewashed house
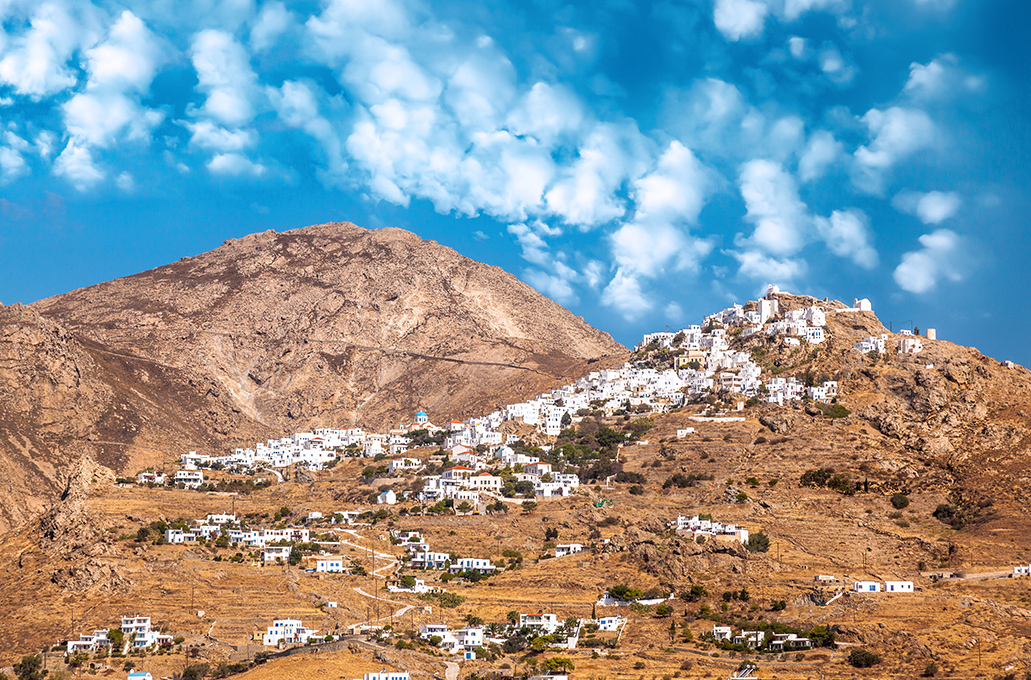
x,y
866,587
191,479
898,586
287,631
329,565
564,549
546,623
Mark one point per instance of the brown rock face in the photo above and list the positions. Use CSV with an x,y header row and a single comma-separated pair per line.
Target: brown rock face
x,y
331,325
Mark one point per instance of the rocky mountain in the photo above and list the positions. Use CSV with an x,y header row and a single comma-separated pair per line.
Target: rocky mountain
x,y
331,325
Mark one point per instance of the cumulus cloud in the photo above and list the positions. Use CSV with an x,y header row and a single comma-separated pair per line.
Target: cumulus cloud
x,y
77,166
274,21
847,234
236,165
299,104
821,152
933,207
941,256
225,76
624,293
896,133
780,217
740,19
942,79
834,65
12,165
36,63
759,266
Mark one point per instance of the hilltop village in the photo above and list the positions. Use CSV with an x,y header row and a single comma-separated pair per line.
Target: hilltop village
x,y
424,529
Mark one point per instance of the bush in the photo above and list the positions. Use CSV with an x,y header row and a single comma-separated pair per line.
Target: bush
x,y
758,542
899,501
836,411
624,592
637,490
639,665
949,514
863,658
816,477
930,670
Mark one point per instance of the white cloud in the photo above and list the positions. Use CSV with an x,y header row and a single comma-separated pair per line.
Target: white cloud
x,y
797,47
793,9
125,182
271,24
834,66
940,257
36,64
12,165
99,119
127,60
555,287
547,112
534,248
739,19
897,133
298,105
941,79
754,264
674,312
933,207
76,165
235,164
781,219
625,295
585,193
821,152
225,76
208,135
847,234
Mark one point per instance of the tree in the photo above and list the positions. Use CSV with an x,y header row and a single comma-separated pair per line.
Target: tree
x,y
464,507
663,610
758,542
513,617
408,581
558,664
672,631
529,506
899,501
143,535
117,638
863,658
30,668
295,556
550,534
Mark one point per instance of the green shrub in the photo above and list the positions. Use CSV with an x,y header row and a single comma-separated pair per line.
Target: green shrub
x,y
863,658
758,542
899,501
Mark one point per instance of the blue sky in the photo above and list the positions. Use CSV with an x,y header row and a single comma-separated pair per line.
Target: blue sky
x,y
643,163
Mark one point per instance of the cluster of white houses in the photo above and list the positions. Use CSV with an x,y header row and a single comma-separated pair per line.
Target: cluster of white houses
x,y
755,638
908,342
695,526
137,634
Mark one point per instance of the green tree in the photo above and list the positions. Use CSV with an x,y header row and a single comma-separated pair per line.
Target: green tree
x,y
30,668
559,664
408,581
464,507
899,501
117,638
672,631
758,542
513,617
296,556
863,658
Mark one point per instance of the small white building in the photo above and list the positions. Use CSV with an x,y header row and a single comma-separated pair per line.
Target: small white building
x,y
150,478
402,464
276,554
287,631
867,586
191,479
388,497
910,344
329,565
609,624
564,549
722,632
387,675
469,638
483,566
547,623
898,586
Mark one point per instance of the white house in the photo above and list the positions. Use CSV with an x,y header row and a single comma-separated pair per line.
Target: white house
x,y
547,623
472,564
287,631
722,632
387,675
191,479
429,560
783,641
388,497
469,638
275,554
1022,570
910,345
898,586
564,549
150,478
752,638
609,624
138,632
329,565
684,432
867,586
90,642
402,464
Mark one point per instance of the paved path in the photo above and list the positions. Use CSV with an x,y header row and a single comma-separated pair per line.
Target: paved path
x,y
452,670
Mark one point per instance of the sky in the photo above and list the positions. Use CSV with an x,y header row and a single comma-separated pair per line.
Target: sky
x,y
642,163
